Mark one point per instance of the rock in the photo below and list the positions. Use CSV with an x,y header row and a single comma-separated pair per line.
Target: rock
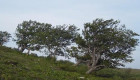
x,y
82,77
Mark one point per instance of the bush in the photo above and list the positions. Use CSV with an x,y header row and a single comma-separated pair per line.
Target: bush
x,y
116,74
51,58
67,68
107,73
126,74
116,78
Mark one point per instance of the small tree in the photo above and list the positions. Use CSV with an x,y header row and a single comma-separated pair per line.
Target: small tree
x,y
106,43
4,37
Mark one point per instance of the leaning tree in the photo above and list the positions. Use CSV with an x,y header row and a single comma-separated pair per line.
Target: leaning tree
x,y
26,35
57,39
4,37
105,43
32,35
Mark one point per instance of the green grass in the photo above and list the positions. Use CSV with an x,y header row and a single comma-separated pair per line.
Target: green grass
x,y
18,66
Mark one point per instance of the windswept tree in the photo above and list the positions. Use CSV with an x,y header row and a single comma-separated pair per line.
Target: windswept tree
x,y
32,35
57,39
105,43
26,35
4,37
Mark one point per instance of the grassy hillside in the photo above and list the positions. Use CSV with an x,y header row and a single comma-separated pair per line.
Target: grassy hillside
x,y
18,66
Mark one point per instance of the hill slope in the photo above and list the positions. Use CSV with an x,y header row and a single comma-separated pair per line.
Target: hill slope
x,y
18,66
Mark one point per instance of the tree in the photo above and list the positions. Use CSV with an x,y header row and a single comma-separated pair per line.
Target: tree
x,y
57,39
4,37
33,35
26,35
106,43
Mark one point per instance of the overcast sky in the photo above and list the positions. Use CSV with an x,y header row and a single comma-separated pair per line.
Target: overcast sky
x,y
78,12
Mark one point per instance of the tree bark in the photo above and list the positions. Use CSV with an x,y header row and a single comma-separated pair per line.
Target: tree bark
x,y
90,70
94,61
93,68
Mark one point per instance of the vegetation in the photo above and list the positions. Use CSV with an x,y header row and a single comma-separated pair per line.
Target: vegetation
x,y
105,43
57,39
4,37
33,35
26,35
17,66
100,49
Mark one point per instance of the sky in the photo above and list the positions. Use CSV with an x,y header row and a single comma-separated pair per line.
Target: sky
x,y
77,12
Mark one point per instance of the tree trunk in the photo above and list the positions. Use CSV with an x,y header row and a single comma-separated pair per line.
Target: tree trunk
x,y
28,51
78,62
89,64
18,48
54,54
94,68
94,61
91,69
51,54
22,48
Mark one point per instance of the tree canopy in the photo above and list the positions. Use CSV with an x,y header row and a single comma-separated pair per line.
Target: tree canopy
x,y
4,37
103,43
26,34
58,38
34,35
106,43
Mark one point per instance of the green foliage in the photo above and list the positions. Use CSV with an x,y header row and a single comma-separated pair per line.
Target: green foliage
x,y
33,35
107,72
118,74
107,42
51,58
57,40
126,74
4,37
17,66
103,43
26,34
117,78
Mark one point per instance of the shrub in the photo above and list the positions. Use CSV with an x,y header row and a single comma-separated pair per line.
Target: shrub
x,y
126,74
51,58
116,78
107,72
